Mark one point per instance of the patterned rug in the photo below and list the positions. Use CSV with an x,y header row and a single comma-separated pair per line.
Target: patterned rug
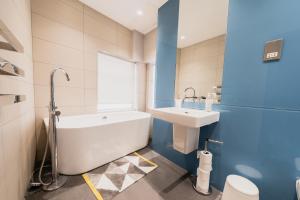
x,y
111,179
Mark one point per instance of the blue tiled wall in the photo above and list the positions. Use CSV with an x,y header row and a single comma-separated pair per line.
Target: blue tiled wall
x,y
166,53
260,108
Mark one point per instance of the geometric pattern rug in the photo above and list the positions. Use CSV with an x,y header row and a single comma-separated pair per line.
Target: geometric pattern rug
x,y
109,180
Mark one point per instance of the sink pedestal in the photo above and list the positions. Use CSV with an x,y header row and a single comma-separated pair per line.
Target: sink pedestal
x,y
185,139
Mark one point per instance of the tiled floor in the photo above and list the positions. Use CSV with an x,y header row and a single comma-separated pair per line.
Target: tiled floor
x,y
168,182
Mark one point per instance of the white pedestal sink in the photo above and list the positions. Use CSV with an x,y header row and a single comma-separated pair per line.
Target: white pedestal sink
x,y
186,125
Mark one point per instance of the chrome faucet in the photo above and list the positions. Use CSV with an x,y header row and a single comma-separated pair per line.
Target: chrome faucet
x,y
53,107
57,180
190,97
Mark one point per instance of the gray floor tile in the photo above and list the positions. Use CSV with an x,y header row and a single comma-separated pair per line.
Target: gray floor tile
x,y
167,182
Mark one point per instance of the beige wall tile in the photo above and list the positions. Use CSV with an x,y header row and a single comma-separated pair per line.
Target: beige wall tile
x,y
102,19
16,15
125,44
11,150
102,29
56,32
41,96
94,45
71,110
66,96
90,61
42,73
137,46
150,47
74,4
59,11
90,97
90,79
2,169
47,52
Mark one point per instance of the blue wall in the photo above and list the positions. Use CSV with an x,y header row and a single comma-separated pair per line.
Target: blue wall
x,y
260,108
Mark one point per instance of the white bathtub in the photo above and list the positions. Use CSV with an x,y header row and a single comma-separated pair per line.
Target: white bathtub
x,y
86,142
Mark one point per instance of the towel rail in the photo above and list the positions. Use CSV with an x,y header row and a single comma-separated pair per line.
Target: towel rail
x,y
6,68
8,99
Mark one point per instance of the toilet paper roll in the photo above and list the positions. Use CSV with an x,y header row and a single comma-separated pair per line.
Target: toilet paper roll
x,y
205,166
205,162
203,181
205,157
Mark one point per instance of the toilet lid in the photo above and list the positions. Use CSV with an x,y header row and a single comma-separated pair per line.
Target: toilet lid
x,y
242,184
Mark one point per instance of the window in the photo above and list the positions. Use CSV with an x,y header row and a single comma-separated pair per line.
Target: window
x,y
150,86
116,84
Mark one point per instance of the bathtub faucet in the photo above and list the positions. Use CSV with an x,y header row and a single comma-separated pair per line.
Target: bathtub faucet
x,y
57,180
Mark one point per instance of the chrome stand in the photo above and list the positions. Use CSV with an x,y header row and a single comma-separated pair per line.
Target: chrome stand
x,y
194,182
57,180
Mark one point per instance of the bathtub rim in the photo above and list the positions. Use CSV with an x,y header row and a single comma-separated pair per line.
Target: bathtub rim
x,y
146,115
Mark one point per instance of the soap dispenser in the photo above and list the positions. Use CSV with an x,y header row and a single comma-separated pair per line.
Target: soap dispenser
x,y
208,102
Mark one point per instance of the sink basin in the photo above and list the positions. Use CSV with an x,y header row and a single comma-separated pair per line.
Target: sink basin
x,y
186,117
186,125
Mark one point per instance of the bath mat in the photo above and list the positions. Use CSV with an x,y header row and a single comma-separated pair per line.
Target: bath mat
x,y
111,179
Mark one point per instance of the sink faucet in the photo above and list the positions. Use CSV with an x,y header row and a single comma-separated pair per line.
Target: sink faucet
x,y
57,181
194,97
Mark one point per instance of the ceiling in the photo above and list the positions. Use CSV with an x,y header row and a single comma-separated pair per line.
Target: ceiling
x,y
200,20
140,15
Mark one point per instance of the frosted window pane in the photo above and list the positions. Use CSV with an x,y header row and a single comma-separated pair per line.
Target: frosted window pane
x,y
116,82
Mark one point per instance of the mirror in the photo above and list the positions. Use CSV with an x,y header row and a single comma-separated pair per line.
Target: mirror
x,y
202,30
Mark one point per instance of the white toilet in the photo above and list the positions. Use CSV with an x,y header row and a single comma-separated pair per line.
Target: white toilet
x,y
239,188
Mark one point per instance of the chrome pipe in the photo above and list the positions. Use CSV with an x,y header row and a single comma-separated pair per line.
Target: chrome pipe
x,y
57,180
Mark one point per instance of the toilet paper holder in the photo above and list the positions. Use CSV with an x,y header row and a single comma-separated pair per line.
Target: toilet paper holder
x,y
194,182
211,141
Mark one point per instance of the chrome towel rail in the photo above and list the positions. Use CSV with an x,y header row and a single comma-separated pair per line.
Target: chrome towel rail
x,y
6,68
8,40
7,99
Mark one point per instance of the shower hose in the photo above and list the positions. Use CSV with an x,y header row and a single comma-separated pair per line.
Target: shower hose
x,y
40,169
